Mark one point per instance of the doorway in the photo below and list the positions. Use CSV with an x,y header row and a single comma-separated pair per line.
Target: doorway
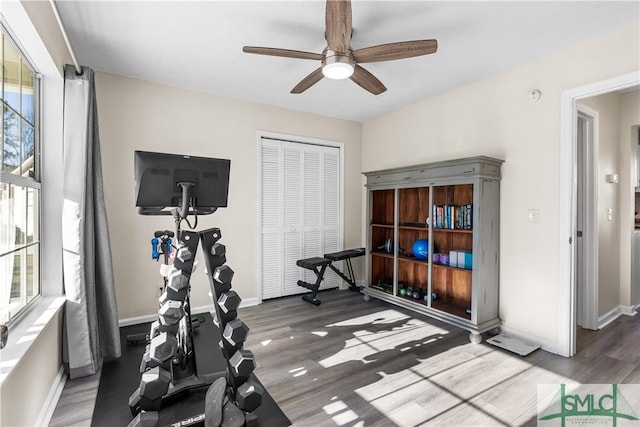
x,y
567,309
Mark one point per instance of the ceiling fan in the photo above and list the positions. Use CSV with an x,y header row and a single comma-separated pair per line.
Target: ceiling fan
x,y
339,60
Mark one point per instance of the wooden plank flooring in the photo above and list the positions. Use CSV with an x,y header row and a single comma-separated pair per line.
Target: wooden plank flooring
x,y
351,363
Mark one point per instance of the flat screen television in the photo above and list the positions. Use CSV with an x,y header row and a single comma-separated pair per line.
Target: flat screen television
x,y
162,179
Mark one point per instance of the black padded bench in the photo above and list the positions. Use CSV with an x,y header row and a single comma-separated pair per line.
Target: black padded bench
x,y
319,265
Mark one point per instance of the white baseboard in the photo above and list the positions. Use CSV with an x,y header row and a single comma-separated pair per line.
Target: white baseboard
x,y
52,398
607,318
549,346
195,310
249,302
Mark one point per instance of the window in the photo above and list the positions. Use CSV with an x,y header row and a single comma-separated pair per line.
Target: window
x,y
19,181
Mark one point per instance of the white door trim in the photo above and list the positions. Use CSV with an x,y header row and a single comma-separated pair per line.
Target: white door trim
x,y
590,219
296,139
567,202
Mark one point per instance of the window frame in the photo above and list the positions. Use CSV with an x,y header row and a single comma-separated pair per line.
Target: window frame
x,y
27,182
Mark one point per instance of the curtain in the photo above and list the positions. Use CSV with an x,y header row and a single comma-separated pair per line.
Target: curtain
x,y
91,317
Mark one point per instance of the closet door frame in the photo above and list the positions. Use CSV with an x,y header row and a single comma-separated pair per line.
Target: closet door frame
x,y
293,139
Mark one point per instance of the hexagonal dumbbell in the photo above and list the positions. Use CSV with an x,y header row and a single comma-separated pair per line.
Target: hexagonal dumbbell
x,y
147,362
178,281
145,419
184,254
218,255
249,396
154,383
170,312
223,275
218,250
242,364
226,318
163,347
234,334
177,286
229,301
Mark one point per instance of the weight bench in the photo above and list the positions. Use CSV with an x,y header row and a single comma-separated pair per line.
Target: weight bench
x,y
319,265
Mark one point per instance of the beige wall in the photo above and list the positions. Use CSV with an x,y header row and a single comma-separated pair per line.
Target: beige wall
x,y
493,117
609,161
24,392
139,115
629,122
618,113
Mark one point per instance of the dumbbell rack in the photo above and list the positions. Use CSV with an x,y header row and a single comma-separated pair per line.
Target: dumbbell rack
x,y
169,366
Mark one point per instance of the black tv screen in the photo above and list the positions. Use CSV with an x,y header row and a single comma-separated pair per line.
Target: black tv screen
x,y
157,178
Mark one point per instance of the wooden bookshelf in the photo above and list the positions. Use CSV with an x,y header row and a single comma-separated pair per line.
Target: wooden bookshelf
x,y
453,205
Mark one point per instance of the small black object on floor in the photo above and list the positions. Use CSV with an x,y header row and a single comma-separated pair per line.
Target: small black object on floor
x,y
120,377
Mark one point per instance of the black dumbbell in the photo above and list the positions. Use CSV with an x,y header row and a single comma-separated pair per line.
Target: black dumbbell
x,y
154,383
226,317
163,347
147,362
178,282
229,301
218,255
138,402
223,275
170,312
249,396
242,364
184,254
218,250
184,260
145,419
234,334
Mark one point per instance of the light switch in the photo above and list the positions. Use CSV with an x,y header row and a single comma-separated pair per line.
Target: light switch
x,y
534,216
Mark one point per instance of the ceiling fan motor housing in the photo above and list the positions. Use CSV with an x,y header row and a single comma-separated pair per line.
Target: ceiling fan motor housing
x,y
332,59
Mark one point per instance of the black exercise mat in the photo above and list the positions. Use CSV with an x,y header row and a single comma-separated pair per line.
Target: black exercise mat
x,y
121,377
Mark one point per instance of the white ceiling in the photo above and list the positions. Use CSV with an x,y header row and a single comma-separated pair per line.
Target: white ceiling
x,y
198,45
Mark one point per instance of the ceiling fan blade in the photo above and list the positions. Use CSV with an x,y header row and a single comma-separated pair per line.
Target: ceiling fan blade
x,y
338,25
367,81
308,81
287,53
391,51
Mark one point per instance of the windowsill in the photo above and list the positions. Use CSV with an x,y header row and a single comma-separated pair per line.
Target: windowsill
x,y
24,332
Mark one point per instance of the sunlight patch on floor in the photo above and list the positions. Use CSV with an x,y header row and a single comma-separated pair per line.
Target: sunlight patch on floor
x,y
366,344
343,415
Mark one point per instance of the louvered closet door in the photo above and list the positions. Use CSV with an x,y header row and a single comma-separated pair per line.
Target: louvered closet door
x,y
331,219
271,219
306,189
292,217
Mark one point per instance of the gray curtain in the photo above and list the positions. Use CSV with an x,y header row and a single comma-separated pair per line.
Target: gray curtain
x,y
91,317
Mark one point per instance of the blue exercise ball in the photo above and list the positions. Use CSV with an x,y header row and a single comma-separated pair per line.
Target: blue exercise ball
x,y
421,249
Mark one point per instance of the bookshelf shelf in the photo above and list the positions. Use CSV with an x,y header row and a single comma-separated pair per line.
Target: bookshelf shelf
x,y
454,207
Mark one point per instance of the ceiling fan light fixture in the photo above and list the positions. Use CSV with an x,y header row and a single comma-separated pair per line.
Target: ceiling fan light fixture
x,y
337,66
337,70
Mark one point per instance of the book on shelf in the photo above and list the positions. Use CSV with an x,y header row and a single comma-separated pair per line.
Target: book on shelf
x,y
453,217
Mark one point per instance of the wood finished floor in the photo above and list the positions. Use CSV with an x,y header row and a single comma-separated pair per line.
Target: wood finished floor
x,y
351,363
